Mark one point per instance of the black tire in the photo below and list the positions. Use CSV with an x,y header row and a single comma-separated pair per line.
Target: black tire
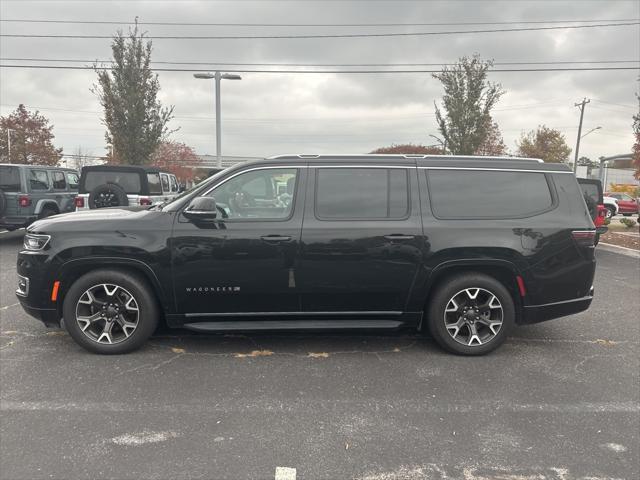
x,y
3,203
108,195
611,212
118,341
455,285
47,212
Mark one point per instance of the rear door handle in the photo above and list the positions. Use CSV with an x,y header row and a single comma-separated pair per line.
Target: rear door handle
x,y
398,236
275,238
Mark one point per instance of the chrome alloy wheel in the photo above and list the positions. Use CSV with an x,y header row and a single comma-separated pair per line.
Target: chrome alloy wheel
x,y
473,316
107,313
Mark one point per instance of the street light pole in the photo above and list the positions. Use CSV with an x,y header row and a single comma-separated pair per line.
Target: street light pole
x,y
9,130
217,77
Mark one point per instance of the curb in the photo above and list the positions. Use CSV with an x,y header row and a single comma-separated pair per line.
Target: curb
x,y
629,252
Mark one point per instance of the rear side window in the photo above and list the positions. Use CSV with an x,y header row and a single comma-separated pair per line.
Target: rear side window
x,y
174,184
591,191
59,182
362,193
482,194
38,180
129,181
153,179
10,179
165,183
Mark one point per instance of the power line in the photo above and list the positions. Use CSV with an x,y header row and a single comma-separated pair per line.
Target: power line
x,y
311,36
245,24
270,64
566,69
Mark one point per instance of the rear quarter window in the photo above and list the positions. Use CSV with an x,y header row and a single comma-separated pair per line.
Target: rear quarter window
x,y
10,179
464,194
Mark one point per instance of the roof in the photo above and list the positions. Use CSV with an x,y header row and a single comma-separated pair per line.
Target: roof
x,y
41,167
123,168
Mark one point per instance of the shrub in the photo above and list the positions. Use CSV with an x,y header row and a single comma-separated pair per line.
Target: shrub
x,y
628,222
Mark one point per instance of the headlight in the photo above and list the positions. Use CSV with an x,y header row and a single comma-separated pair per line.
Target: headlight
x,y
35,242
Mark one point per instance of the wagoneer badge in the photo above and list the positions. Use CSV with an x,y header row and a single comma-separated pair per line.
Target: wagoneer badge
x,y
227,289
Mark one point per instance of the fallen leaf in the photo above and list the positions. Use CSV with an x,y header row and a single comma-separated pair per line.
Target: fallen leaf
x,y
177,350
318,355
255,353
606,343
57,333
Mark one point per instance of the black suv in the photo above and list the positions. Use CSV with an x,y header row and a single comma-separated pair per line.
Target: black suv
x,y
464,247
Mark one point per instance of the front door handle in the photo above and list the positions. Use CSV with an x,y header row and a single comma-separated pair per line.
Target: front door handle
x,y
398,236
275,238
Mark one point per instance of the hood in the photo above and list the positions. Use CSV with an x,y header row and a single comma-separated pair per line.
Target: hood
x,y
98,219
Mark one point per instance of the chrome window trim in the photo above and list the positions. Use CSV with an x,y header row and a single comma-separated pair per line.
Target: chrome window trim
x,y
269,167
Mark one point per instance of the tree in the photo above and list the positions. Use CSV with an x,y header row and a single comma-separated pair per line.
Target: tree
x,y
468,98
636,145
82,158
31,138
493,143
409,149
545,143
177,158
135,119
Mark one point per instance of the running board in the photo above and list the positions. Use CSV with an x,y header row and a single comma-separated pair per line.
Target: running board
x,y
292,325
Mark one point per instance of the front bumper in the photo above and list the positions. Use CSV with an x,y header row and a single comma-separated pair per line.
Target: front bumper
x,y
34,288
549,311
47,316
13,223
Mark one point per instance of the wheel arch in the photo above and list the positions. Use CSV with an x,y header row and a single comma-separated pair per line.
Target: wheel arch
x,y
44,203
504,271
75,268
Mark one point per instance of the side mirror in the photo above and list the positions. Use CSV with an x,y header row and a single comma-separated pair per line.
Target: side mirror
x,y
201,208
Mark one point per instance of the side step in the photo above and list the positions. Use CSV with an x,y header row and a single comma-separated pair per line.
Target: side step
x,y
291,325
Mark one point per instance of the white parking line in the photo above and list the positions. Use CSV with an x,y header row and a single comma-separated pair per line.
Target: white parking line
x,y
285,473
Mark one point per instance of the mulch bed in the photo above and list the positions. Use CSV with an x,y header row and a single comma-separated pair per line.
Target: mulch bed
x,y
623,239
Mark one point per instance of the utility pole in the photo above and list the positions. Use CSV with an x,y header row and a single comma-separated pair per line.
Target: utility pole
x,y
9,130
581,105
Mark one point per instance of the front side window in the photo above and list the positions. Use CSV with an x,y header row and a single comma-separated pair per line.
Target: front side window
x,y
59,182
174,184
153,180
38,180
362,193
165,183
73,180
253,194
483,194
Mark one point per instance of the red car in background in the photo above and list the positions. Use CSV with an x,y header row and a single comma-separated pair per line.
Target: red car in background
x,y
627,205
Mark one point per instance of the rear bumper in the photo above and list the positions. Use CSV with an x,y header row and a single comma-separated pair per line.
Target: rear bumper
x,y
549,311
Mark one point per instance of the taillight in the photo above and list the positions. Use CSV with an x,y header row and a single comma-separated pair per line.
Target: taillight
x,y
24,200
584,238
79,201
145,201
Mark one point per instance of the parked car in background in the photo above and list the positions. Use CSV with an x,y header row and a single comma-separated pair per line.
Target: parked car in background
x,y
463,247
30,192
611,205
124,186
627,205
593,197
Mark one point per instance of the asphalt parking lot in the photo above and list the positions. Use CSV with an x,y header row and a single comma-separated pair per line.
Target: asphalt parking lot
x,y
560,400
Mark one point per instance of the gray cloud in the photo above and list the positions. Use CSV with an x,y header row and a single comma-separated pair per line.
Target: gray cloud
x,y
267,114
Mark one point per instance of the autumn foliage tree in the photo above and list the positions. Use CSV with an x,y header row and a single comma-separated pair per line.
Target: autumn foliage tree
x,y
31,138
545,143
135,119
409,149
493,143
464,118
177,158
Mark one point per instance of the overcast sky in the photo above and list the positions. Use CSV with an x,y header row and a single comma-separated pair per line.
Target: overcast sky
x,y
268,114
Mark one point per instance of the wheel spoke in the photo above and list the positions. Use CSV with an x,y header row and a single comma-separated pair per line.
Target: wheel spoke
x,y
472,293
131,305
113,290
474,338
127,327
452,306
454,328
89,320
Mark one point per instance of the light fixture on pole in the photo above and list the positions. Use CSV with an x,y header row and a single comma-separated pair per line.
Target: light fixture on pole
x,y
217,77
592,130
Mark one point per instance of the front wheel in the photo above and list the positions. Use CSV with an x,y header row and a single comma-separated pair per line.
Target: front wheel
x,y
610,212
110,311
471,314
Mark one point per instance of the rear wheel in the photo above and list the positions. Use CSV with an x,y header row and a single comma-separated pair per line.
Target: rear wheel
x,y
47,212
610,212
471,314
110,311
